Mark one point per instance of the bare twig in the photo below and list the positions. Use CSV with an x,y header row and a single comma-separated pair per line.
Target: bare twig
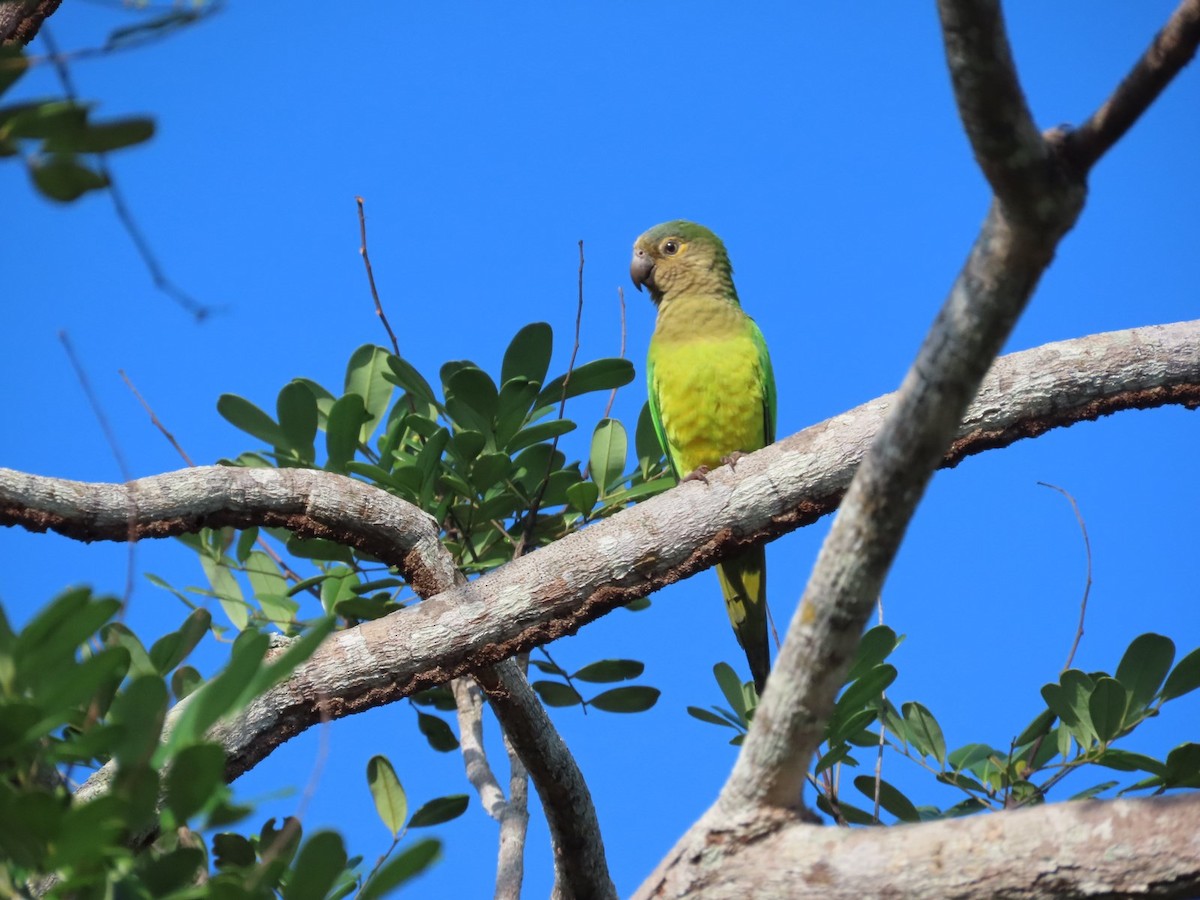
x,y
114,447
154,420
1087,584
1172,49
124,215
362,230
613,394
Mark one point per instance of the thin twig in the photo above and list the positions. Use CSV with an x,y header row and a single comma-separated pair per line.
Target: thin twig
x,y
1087,585
122,466
362,231
124,215
613,394
154,420
882,732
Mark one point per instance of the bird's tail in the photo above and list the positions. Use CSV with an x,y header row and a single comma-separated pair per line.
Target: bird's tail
x,y
744,584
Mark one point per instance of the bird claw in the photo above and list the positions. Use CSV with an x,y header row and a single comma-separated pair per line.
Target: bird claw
x,y
732,459
697,474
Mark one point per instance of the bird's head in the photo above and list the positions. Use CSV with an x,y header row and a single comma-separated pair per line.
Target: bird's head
x,y
678,258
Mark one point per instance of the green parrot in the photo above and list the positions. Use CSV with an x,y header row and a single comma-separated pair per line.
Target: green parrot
x,y
712,391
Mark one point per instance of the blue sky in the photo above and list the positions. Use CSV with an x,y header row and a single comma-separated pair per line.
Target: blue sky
x,y
820,141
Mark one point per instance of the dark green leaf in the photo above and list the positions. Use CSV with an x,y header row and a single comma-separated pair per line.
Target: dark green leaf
x,y
1093,791
47,119
969,756
843,728
732,687
439,810
512,408
297,410
232,851
185,680
845,812
555,693
582,496
632,698
13,65
64,179
489,470
166,656
410,863
866,690
1126,761
140,709
1184,678
347,417
875,646
318,865
440,697
1143,668
1183,767
1106,707
645,440
102,137
195,777
390,800
528,355
437,732
924,732
408,378
890,798
247,417
711,718
1040,726
597,375
609,670
172,871
1069,701
535,434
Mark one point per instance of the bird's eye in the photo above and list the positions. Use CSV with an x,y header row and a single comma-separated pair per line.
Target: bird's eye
x,y
671,247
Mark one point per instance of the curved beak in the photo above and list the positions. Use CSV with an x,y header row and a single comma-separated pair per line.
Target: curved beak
x,y
641,270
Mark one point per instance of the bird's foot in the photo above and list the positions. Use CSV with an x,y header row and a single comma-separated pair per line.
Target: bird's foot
x,y
732,459
700,473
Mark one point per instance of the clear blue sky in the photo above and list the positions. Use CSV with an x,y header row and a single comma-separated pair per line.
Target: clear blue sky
x,y
820,140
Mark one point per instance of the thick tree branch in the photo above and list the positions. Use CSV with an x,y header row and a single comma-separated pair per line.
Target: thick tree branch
x,y
559,589
1171,50
1091,848
21,19
1007,145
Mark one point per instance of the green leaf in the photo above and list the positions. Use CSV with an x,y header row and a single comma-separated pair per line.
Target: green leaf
x,y
140,710
607,671
610,447
47,119
366,377
232,851
319,863
297,410
227,590
173,871
1106,706
117,634
876,645
528,354
184,681
582,496
1040,726
437,733
732,687
64,179
597,375
410,863
844,728
1183,767
924,732
439,810
408,378
347,417
1143,668
196,776
645,440
512,407
631,698
247,417
866,690
472,399
1069,701
102,137
555,693
1093,791
1127,761
390,800
890,798
1184,678
535,434
13,65
318,549
711,718
851,814
172,649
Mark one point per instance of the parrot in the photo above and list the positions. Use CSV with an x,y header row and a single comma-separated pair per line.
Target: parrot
x,y
712,392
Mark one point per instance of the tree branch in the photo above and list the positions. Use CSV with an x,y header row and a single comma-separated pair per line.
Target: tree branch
x,y
562,587
1090,848
21,19
1172,49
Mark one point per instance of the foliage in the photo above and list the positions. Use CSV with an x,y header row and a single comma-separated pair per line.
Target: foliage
x,y
1084,716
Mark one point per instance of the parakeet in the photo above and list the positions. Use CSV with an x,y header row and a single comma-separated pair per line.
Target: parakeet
x,y
712,391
